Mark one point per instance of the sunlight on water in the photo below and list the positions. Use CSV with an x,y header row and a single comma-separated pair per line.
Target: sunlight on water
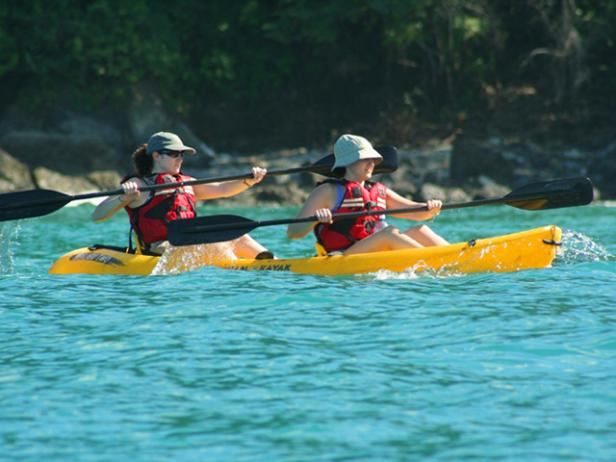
x,y
265,365
577,247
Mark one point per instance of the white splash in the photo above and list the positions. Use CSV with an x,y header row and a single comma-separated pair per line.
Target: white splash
x,y
416,271
407,274
177,260
577,247
9,239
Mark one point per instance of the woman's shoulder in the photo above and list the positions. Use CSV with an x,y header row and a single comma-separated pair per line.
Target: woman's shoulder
x,y
326,187
324,195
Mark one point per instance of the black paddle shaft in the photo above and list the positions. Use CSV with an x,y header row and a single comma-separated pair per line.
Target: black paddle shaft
x,y
536,196
38,202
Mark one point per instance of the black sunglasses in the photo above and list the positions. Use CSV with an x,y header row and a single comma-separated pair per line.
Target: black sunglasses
x,y
171,153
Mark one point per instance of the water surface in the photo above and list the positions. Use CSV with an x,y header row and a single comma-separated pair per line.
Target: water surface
x,y
242,366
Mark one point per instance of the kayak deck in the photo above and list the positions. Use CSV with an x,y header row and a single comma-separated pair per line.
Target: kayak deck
x,y
512,252
535,248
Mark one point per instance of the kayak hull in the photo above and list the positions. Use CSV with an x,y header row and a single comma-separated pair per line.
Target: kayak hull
x,y
535,248
104,261
513,252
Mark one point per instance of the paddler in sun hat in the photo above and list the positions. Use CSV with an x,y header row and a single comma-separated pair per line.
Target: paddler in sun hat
x,y
160,161
356,192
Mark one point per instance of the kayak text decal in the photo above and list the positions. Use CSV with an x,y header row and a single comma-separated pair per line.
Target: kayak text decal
x,y
98,257
273,267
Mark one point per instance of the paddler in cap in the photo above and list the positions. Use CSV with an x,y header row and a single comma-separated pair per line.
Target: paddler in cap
x,y
158,162
354,193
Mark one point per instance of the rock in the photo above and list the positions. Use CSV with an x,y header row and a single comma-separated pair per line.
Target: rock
x,y
406,173
148,115
488,189
457,195
79,125
65,154
14,175
472,158
405,189
602,170
105,179
6,186
49,179
288,194
205,154
447,195
17,118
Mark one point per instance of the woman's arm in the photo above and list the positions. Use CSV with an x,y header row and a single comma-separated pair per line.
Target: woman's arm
x,y
131,197
229,188
396,201
319,203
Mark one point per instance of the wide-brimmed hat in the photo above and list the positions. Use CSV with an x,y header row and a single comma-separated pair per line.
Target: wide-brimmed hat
x,y
166,140
351,148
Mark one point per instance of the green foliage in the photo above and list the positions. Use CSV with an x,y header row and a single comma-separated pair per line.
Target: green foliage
x,y
338,61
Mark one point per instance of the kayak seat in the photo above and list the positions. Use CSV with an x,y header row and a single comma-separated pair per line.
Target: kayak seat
x,y
265,255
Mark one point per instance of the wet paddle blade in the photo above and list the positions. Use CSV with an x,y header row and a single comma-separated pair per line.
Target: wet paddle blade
x,y
390,163
567,192
206,230
33,203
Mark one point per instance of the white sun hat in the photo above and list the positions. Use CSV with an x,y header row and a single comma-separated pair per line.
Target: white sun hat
x,y
351,148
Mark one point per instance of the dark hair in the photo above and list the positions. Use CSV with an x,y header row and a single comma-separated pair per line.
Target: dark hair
x,y
143,161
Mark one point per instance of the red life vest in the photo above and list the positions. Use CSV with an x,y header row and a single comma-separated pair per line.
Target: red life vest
x,y
150,219
353,197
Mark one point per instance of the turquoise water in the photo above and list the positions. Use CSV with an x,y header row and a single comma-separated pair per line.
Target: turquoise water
x,y
219,365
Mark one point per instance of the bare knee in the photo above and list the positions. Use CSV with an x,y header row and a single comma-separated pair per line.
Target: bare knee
x,y
391,231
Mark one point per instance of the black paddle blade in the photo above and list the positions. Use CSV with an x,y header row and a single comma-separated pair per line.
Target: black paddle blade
x,y
32,203
567,192
206,230
389,163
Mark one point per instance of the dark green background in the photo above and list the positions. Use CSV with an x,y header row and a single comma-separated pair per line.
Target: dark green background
x,y
251,73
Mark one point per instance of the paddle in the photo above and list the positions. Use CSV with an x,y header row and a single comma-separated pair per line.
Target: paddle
x,y
38,202
536,196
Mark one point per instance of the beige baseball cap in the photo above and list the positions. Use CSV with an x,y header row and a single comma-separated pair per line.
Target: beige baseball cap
x,y
351,148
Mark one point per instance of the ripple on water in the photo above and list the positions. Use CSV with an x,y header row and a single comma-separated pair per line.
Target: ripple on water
x,y
223,365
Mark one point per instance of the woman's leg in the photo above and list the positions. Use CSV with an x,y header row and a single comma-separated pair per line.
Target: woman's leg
x,y
425,236
247,247
389,238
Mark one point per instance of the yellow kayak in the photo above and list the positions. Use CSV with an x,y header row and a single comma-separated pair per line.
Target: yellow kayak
x,y
535,248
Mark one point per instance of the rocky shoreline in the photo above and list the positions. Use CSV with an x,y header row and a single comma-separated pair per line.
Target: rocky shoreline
x,y
79,153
